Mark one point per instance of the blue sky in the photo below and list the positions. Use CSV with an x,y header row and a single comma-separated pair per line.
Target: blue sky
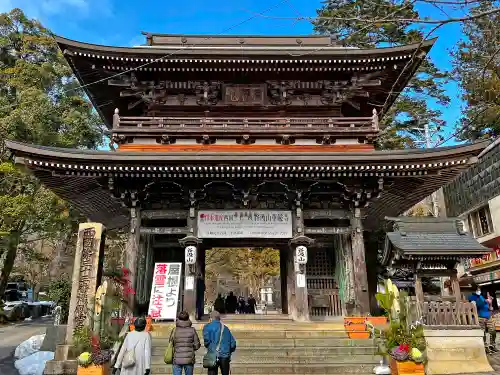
x,y
120,22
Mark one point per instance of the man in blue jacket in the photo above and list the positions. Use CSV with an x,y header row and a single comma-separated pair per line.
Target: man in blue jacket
x,y
485,320
211,336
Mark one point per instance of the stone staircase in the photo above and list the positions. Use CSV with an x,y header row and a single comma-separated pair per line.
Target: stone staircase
x,y
274,344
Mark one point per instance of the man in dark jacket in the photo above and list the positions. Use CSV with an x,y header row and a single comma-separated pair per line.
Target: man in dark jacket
x,y
186,343
211,337
485,321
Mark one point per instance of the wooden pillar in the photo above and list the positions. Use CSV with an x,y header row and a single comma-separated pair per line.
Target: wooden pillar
x,y
300,307
455,286
290,284
362,297
419,291
283,280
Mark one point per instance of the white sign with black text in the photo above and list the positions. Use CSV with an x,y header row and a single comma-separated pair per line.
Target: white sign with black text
x,y
165,291
301,254
190,254
301,280
245,224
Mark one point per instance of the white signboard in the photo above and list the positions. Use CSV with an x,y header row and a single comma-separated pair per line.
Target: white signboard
x,y
165,291
301,254
189,283
301,280
190,254
244,224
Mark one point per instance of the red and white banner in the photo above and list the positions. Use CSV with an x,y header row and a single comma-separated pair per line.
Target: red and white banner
x,y
165,291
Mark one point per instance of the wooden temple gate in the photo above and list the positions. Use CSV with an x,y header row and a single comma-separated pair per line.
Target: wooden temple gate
x,y
279,126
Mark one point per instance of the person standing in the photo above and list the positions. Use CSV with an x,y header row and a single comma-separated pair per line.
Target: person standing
x,y
231,303
185,342
200,296
223,344
485,321
252,303
139,343
219,304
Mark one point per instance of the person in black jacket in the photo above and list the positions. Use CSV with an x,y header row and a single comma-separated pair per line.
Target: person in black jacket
x,y
186,342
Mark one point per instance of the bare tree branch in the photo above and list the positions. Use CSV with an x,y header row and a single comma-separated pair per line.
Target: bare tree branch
x,y
391,20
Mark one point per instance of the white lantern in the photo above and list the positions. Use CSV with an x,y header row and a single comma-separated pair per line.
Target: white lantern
x,y
190,254
301,254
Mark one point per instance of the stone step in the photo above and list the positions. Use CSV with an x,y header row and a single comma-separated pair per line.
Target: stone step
x,y
255,317
240,358
282,369
160,329
288,343
325,352
264,334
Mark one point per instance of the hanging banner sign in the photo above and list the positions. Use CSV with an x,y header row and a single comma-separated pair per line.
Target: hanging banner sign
x,y
244,224
301,254
165,291
190,254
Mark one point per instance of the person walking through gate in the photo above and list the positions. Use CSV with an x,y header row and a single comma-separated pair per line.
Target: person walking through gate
x,y
185,342
223,344
200,296
251,304
134,357
487,324
231,303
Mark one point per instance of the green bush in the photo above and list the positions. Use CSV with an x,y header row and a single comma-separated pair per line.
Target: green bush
x,y
60,292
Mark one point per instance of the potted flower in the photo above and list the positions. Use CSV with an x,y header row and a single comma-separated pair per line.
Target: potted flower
x,y
97,360
403,343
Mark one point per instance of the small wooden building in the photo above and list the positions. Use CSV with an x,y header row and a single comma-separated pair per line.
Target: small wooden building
x,y
429,247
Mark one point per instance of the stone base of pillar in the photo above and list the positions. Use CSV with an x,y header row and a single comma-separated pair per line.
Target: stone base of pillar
x,y
56,367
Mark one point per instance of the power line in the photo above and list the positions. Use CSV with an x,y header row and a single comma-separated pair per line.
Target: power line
x,y
164,56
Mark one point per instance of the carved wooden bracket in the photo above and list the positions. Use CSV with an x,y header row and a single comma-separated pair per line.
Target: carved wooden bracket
x,y
285,140
281,92
245,140
208,93
206,140
165,140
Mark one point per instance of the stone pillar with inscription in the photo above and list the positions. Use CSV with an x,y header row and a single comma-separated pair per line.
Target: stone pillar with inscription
x,y
132,250
87,272
362,298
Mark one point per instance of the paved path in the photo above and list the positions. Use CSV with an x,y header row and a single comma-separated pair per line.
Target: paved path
x,y
11,336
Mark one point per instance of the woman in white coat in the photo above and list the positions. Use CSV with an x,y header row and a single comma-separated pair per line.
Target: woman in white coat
x,y
137,342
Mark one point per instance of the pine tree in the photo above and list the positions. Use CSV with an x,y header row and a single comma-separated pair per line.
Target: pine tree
x,y
412,108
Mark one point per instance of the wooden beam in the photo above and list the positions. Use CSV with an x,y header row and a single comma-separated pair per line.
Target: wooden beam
x,y
326,214
164,214
163,230
327,230
359,266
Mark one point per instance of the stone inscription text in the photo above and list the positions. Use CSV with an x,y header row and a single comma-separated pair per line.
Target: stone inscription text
x,y
82,297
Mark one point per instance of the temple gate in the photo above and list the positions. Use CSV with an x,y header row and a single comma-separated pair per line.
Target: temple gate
x,y
279,126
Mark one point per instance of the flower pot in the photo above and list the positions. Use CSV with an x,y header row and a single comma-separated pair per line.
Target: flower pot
x,y
377,321
406,368
355,327
355,320
93,370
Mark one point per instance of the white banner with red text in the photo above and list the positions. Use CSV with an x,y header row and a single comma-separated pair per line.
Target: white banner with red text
x,y
165,291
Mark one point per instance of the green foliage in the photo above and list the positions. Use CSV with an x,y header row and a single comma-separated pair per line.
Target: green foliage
x,y
36,107
350,23
82,339
477,67
401,330
60,292
251,267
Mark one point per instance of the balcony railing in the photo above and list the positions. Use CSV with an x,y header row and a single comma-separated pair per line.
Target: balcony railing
x,y
247,124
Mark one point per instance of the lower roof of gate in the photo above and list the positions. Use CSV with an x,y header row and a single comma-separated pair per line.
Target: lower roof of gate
x,y
76,175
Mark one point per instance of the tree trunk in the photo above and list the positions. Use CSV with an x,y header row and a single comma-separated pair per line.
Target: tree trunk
x,y
8,261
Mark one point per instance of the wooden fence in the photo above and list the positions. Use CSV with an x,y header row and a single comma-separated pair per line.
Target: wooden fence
x,y
463,314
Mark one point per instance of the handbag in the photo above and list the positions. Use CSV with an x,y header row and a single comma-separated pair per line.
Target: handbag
x,y
129,358
210,357
168,358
